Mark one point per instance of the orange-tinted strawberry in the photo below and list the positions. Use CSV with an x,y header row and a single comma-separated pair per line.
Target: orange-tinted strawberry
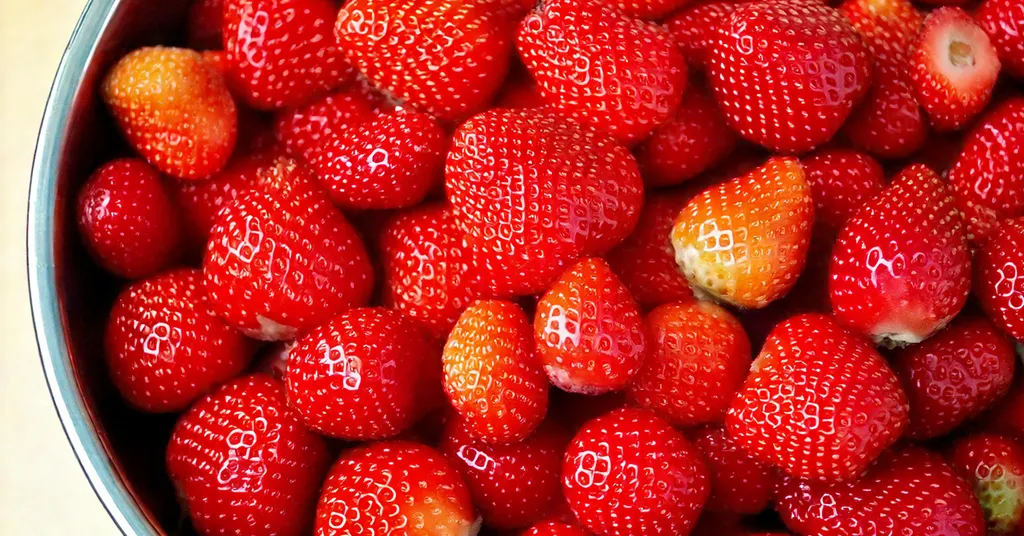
x,y
994,465
243,462
629,473
205,26
282,259
603,68
889,123
698,358
590,336
841,181
694,29
304,130
1003,21
174,109
492,375
819,403
739,483
534,192
394,487
901,268
999,277
554,528
787,74
745,242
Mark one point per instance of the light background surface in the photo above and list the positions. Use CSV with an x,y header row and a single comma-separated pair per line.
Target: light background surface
x,y
42,489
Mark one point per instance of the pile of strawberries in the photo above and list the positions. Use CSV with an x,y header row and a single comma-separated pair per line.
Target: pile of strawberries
x,y
585,267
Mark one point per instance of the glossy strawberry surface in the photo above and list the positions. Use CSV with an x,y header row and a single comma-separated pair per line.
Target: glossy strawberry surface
x,y
694,29
999,278
841,181
305,130
739,483
994,466
1003,21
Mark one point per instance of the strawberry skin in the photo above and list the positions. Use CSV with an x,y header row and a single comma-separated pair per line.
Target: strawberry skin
x,y
629,473
694,29
535,192
999,278
819,402
699,356
890,122
745,242
174,109
841,182
888,27
282,260
305,130
281,52
554,528
164,345
590,335
128,220
794,91
492,375
994,465
646,9
577,53
739,483
394,487
901,266
1003,21
244,463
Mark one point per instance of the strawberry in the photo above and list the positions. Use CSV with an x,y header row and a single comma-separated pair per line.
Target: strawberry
x,y
128,220
694,28
629,473
535,192
645,261
590,336
994,465
391,161
954,375
205,26
699,356
739,483
174,109
999,278
446,57
841,181
394,487
908,491
954,68
602,67
889,123
888,27
647,9
491,374
1007,416
819,402
164,345
514,485
305,130
787,74
1003,21
282,260
695,139
901,267
988,176
745,242
554,528
243,463
366,358
281,52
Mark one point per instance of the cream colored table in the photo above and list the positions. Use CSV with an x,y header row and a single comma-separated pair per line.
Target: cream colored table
x,y
42,490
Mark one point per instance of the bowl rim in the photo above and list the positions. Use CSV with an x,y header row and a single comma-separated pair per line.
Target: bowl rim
x,y
47,318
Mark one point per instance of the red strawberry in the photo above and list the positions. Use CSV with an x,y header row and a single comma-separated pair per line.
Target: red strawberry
x,y
819,401
305,130
889,123
446,57
391,161
787,74
694,29
590,336
366,358
491,374
698,358
554,528
745,242
174,110
954,375
999,279
1003,21
901,267
602,67
954,68
205,26
695,139
988,176
281,52
908,491
739,483
535,192
282,260
889,27
244,464
127,219
513,485
841,182
647,9
164,345
994,465
1007,417
645,261
629,473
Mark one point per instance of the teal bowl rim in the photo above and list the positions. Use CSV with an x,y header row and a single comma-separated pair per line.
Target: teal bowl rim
x,y
47,318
